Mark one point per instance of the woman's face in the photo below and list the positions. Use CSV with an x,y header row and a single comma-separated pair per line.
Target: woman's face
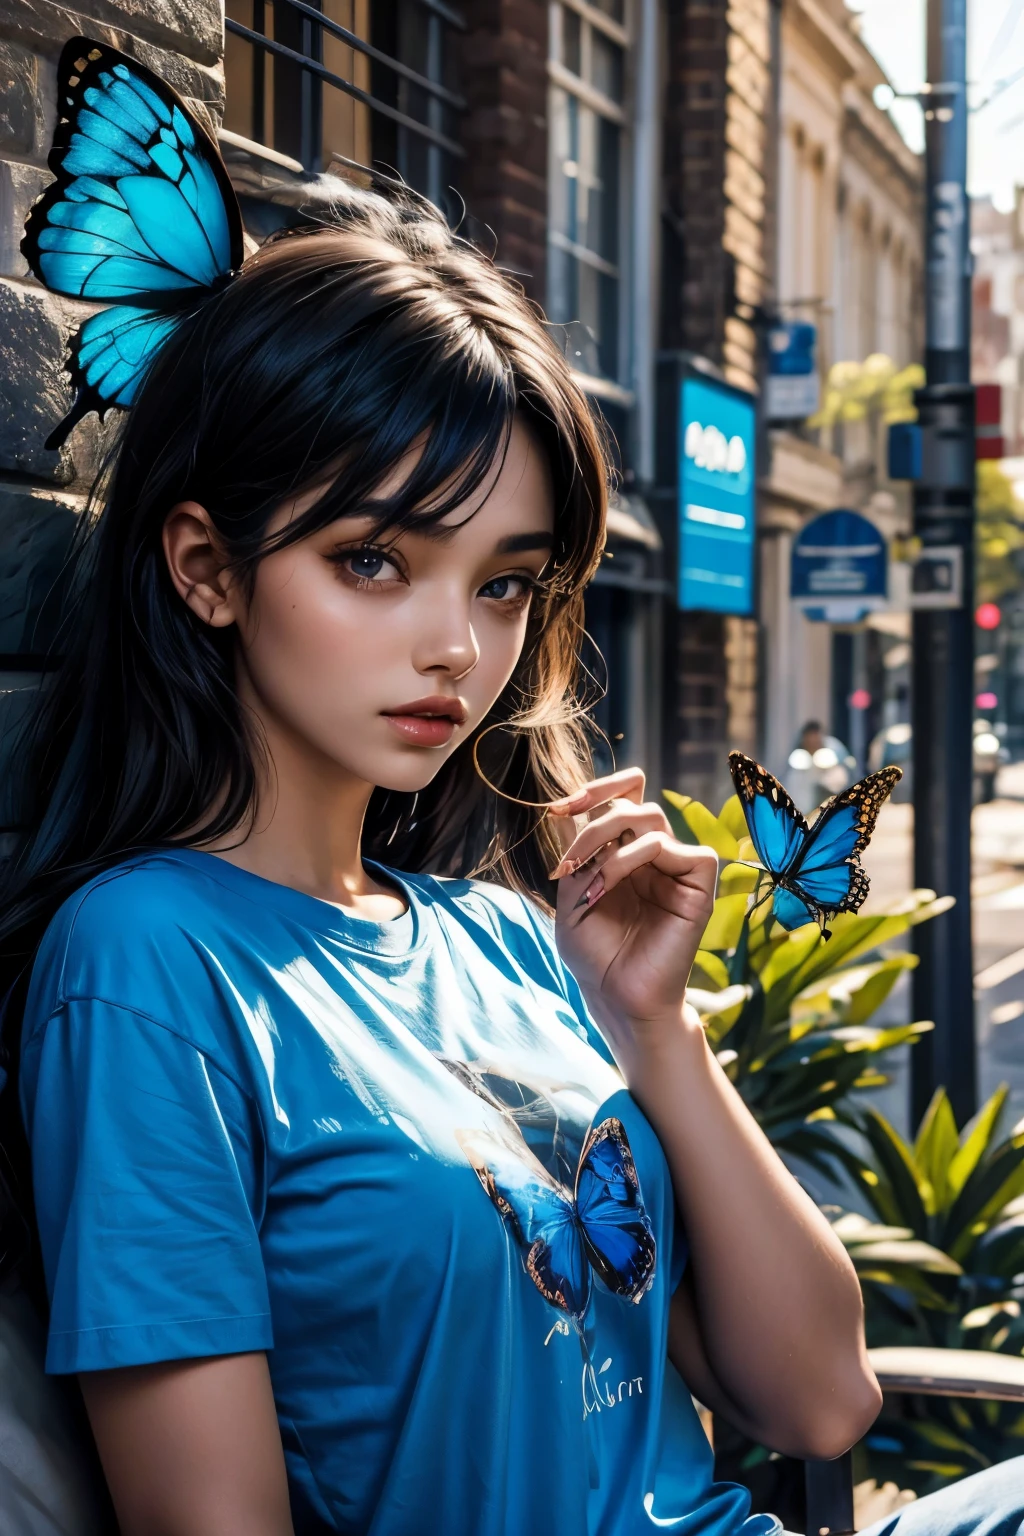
x,y
381,661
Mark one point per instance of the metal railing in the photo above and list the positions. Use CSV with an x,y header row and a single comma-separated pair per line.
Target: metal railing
x,y
418,122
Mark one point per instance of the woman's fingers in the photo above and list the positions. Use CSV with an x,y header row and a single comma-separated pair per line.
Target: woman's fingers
x,y
690,873
623,818
627,784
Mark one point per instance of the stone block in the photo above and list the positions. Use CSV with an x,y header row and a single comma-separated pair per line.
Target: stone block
x,y
19,89
36,528
34,390
193,28
20,185
193,68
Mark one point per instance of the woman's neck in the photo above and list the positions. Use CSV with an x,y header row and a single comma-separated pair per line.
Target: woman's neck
x,y
306,832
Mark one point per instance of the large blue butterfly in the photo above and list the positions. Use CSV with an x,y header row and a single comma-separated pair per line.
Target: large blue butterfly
x,y
142,216
814,869
599,1227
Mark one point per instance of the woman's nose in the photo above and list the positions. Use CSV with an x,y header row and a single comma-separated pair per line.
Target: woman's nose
x,y
448,644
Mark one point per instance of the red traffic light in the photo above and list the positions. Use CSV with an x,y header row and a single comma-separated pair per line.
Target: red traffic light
x,y
988,616
988,438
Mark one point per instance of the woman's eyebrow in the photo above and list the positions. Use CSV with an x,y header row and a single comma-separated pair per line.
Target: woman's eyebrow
x,y
518,543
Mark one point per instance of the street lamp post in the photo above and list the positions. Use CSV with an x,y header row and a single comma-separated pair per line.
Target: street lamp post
x,y
943,666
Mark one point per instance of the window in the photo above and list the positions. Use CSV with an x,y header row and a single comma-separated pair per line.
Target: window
x,y
587,215
370,80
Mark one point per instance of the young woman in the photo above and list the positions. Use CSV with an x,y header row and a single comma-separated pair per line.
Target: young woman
x,y
367,1199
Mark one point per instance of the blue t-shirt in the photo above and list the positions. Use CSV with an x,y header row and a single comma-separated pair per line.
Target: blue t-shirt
x,y
259,1124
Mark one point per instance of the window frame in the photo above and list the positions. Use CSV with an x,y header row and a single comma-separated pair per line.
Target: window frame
x,y
618,389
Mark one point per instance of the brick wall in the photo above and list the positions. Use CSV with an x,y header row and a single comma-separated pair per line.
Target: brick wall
x,y
715,270
503,76
716,147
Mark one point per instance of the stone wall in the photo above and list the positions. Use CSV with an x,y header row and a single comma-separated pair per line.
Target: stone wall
x,y
42,494
179,39
183,42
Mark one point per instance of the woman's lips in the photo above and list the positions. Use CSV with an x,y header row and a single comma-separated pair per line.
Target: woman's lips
x,y
428,722
423,730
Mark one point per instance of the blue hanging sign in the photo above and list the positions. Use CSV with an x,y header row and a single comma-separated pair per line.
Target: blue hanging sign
x,y
716,497
792,387
840,568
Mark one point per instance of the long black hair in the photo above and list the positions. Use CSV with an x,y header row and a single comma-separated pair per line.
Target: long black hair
x,y
328,357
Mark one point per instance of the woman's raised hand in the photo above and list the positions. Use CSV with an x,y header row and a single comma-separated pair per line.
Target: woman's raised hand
x,y
633,903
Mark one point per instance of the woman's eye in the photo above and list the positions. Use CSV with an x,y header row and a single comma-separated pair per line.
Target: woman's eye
x,y
366,564
503,588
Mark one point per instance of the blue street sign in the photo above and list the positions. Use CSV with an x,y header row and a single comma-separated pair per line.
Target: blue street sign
x,y
906,450
839,569
792,387
716,497
791,348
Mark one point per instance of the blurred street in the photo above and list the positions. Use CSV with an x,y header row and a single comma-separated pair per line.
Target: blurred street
x,y
998,913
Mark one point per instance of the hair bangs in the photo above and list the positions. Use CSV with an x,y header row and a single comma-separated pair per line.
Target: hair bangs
x,y
444,439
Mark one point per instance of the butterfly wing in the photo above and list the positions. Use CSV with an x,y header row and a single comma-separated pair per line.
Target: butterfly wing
x,y
617,1231
827,874
142,202
790,912
141,211
777,829
540,1215
111,353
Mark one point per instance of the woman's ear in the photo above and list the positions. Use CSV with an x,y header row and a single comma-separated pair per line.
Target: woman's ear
x,y
198,565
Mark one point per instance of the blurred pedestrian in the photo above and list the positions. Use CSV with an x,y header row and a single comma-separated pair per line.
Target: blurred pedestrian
x,y
821,765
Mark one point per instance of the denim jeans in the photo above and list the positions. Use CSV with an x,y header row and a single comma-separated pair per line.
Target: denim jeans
x,y
990,1503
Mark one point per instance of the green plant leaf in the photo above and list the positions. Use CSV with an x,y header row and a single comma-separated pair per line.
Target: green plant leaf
x,y
911,1252
867,999
936,1146
734,878
713,967
945,1440
853,935
856,991
718,1010
985,1196
726,923
852,1227
789,955
974,1141
910,1190
676,804
732,818
707,829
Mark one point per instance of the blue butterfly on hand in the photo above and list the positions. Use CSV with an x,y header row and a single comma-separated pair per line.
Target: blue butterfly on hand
x,y
141,216
567,1236
814,869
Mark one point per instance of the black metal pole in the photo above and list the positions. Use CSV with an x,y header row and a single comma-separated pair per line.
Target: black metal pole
x,y
943,667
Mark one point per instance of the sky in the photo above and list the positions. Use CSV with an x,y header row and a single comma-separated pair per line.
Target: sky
x,y
894,31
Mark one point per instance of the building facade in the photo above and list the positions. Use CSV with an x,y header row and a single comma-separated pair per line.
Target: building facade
x,y
849,262
997,310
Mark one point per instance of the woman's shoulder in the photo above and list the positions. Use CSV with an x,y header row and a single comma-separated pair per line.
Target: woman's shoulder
x,y
109,936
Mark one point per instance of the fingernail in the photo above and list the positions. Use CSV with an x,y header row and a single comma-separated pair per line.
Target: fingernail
x,y
593,892
567,866
567,802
